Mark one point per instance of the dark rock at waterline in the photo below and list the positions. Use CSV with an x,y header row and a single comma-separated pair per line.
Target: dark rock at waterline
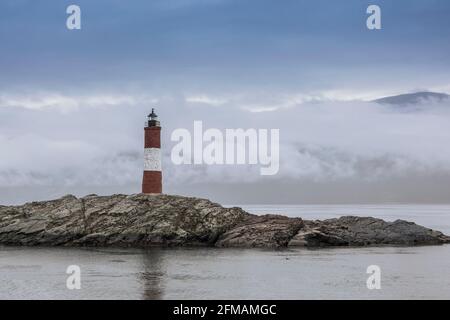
x,y
364,231
261,231
165,220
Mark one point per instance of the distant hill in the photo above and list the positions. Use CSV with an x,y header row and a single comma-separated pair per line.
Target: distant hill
x,y
413,98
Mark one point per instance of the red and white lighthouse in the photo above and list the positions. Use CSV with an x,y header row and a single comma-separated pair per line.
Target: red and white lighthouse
x,y
152,180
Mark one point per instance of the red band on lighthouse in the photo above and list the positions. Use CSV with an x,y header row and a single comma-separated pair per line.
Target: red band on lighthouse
x,y
152,178
152,137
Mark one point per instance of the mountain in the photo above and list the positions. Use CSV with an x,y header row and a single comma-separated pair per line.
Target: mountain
x,y
413,98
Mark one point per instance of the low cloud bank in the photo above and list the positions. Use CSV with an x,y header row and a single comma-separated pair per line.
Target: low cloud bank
x,y
98,140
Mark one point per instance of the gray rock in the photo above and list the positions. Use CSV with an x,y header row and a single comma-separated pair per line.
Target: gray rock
x,y
363,231
136,220
261,231
164,220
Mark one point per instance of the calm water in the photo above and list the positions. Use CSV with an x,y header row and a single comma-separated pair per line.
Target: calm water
x,y
206,273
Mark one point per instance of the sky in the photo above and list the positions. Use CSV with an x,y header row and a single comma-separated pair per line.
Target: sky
x,y
73,102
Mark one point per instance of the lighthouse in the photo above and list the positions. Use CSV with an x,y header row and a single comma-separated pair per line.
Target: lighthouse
x,y
152,179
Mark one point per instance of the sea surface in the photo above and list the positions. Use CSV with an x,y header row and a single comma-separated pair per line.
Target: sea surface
x,y
208,273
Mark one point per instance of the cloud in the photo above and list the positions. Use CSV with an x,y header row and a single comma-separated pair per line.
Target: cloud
x,y
98,141
270,101
67,103
205,99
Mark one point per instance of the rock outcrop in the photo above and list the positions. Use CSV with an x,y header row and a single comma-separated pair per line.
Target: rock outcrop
x,y
163,220
364,231
261,231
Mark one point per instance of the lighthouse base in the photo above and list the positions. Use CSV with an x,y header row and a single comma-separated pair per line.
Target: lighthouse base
x,y
152,182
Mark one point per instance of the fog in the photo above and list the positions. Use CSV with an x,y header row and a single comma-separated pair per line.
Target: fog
x,y
330,151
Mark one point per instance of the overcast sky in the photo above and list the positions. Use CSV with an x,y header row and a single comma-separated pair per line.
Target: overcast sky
x,y
73,103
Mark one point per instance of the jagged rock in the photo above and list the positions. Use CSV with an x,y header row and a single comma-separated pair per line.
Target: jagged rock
x,y
136,220
363,231
164,220
261,231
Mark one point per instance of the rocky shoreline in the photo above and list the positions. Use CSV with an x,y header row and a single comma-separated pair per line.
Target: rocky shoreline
x,y
165,220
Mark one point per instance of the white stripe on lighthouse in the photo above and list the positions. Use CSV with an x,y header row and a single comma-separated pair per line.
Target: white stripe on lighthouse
x,y
152,159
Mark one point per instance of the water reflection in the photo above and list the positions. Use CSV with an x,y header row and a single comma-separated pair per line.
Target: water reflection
x,y
205,273
153,274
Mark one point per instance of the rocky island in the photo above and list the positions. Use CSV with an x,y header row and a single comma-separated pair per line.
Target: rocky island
x,y
143,220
